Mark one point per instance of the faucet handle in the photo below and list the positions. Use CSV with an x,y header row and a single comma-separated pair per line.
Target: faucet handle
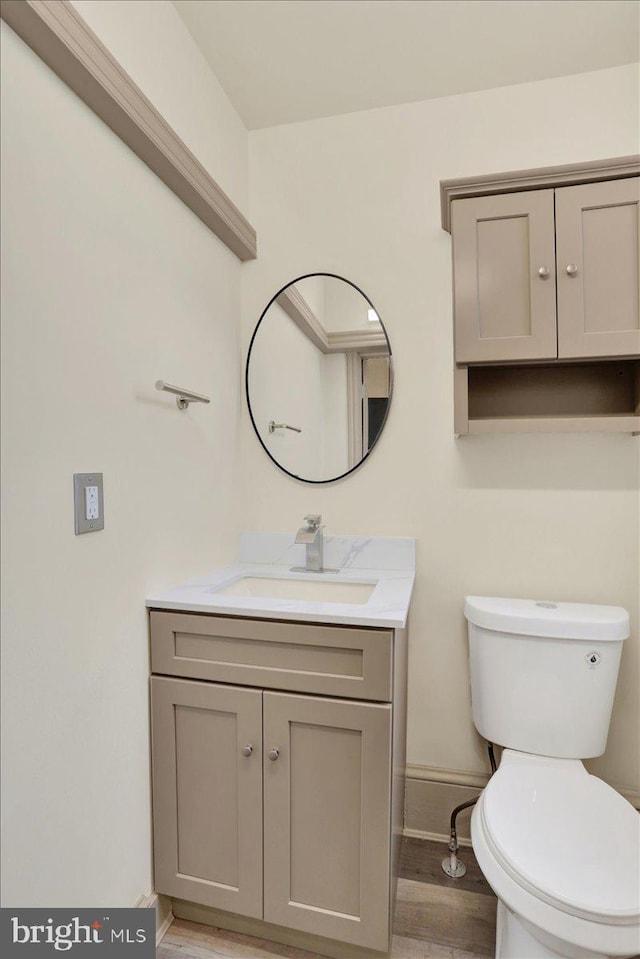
x,y
313,520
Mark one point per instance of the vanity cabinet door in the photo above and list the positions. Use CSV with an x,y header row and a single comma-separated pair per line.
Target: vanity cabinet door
x,y
207,795
598,259
504,277
327,785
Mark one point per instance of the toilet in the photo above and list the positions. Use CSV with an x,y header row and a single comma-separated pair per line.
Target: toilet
x,y
559,847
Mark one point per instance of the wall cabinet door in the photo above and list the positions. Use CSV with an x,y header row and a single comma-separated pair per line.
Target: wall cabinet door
x,y
598,258
327,817
504,277
207,795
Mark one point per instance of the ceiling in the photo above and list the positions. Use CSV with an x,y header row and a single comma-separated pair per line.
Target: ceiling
x,y
281,61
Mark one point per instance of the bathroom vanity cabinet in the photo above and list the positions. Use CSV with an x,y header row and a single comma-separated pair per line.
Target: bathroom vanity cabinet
x,y
278,776
546,298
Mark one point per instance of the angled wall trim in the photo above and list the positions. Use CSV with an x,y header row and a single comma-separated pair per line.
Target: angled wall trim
x,y
57,33
568,174
344,341
297,308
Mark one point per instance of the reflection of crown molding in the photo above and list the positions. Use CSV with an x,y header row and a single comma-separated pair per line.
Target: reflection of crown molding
x,y
57,33
346,341
296,307
357,341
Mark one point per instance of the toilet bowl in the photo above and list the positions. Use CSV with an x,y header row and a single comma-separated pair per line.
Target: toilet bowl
x,y
561,850
559,847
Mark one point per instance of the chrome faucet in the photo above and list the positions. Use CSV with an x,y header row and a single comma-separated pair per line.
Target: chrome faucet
x,y
311,535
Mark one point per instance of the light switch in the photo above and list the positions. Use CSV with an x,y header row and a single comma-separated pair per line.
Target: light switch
x,y
88,502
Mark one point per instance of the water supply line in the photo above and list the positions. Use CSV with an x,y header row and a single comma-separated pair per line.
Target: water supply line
x,y
451,865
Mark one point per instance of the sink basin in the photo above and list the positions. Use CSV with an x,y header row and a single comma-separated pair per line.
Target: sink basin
x,y
318,591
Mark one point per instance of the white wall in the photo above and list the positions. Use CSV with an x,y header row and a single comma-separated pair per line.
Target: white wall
x,y
108,283
292,381
543,516
151,42
346,309
286,385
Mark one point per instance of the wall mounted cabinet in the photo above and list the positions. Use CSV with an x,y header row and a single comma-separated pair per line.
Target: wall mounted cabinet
x,y
275,805
543,279
504,307
598,266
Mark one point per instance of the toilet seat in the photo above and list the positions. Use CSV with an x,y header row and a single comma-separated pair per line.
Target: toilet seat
x,y
564,836
565,933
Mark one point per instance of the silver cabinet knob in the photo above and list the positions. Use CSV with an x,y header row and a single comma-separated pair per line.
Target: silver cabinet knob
x,y
572,269
543,272
246,750
273,754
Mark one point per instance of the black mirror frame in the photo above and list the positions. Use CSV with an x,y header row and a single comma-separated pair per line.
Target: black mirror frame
x,y
333,479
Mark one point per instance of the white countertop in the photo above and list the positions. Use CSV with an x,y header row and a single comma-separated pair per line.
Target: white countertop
x,y
387,562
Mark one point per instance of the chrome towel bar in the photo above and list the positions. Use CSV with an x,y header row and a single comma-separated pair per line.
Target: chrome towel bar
x,y
184,396
282,426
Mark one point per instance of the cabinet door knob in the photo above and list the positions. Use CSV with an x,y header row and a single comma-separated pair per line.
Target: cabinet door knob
x,y
572,269
543,272
247,750
273,754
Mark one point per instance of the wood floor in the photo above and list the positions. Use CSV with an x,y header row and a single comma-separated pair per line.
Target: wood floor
x,y
436,917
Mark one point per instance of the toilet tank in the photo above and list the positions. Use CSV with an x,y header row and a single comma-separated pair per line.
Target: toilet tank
x,y
543,675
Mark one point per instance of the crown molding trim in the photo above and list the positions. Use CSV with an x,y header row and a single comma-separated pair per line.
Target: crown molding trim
x,y
296,307
57,33
357,341
543,178
344,341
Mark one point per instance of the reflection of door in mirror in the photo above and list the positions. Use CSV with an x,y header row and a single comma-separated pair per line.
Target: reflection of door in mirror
x,y
375,379
369,390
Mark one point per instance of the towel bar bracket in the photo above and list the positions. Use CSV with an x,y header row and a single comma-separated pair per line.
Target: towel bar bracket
x,y
184,397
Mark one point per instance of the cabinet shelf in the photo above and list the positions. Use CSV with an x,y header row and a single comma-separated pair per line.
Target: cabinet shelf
x,y
555,424
557,398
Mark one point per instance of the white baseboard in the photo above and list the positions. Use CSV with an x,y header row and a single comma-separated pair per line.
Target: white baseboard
x,y
164,915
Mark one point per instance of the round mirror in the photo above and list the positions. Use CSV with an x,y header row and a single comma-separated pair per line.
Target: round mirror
x,y
319,378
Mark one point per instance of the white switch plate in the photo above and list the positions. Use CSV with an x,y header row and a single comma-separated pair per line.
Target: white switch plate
x,y
88,502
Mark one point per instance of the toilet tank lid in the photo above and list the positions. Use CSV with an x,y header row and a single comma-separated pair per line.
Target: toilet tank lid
x,y
530,617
